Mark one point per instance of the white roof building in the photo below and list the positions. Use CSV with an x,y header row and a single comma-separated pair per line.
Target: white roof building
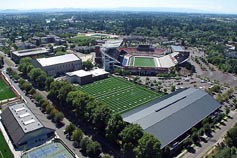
x,y
57,60
58,65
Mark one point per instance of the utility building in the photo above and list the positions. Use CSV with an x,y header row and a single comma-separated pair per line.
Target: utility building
x,y
84,77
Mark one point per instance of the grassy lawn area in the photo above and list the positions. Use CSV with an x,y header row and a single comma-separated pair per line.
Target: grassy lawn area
x,y
119,94
5,152
143,62
5,91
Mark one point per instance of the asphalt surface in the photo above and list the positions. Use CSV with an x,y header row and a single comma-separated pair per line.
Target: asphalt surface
x,y
219,134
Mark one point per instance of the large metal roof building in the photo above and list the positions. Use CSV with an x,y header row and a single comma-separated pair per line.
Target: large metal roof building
x,y
23,127
170,117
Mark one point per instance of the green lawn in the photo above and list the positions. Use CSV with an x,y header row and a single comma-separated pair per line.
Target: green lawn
x,y
119,94
5,91
4,149
143,62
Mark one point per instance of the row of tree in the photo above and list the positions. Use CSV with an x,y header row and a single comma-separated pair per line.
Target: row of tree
x,y
45,105
87,145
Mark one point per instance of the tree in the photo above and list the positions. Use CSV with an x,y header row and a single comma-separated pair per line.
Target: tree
x,y
207,128
27,87
100,117
84,142
187,142
127,150
231,137
49,108
115,125
131,133
38,77
77,135
25,65
70,128
87,65
195,137
148,146
172,88
58,117
227,110
64,90
93,149
48,81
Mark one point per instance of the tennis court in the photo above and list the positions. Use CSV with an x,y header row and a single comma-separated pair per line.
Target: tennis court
x,y
142,61
120,95
5,152
52,150
5,91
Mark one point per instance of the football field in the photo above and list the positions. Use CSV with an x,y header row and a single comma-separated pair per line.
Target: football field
x,y
5,91
120,95
5,152
142,61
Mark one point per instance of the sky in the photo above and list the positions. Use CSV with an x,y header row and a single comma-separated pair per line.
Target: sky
x,y
216,6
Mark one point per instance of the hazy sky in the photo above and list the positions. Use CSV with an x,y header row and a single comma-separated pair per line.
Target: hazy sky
x,y
223,6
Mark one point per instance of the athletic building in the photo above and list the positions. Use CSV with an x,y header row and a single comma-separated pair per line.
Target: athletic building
x,y
172,116
17,55
24,128
57,65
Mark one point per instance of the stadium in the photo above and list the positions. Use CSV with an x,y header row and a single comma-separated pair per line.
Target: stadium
x,y
140,58
148,60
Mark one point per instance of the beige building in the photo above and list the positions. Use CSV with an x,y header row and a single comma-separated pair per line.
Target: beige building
x,y
58,65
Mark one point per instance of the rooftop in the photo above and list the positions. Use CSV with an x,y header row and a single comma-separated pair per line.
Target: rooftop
x,y
82,73
25,118
177,48
79,73
28,52
98,72
57,60
174,114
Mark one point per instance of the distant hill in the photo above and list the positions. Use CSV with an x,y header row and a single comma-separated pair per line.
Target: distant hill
x,y
132,9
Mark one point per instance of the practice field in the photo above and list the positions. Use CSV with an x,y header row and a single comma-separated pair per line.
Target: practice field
x,y
5,152
119,94
142,61
5,91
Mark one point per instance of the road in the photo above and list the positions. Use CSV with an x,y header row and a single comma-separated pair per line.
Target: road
x,y
219,133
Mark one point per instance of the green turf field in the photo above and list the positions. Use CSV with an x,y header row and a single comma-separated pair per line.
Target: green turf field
x,y
119,94
5,91
5,152
143,62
